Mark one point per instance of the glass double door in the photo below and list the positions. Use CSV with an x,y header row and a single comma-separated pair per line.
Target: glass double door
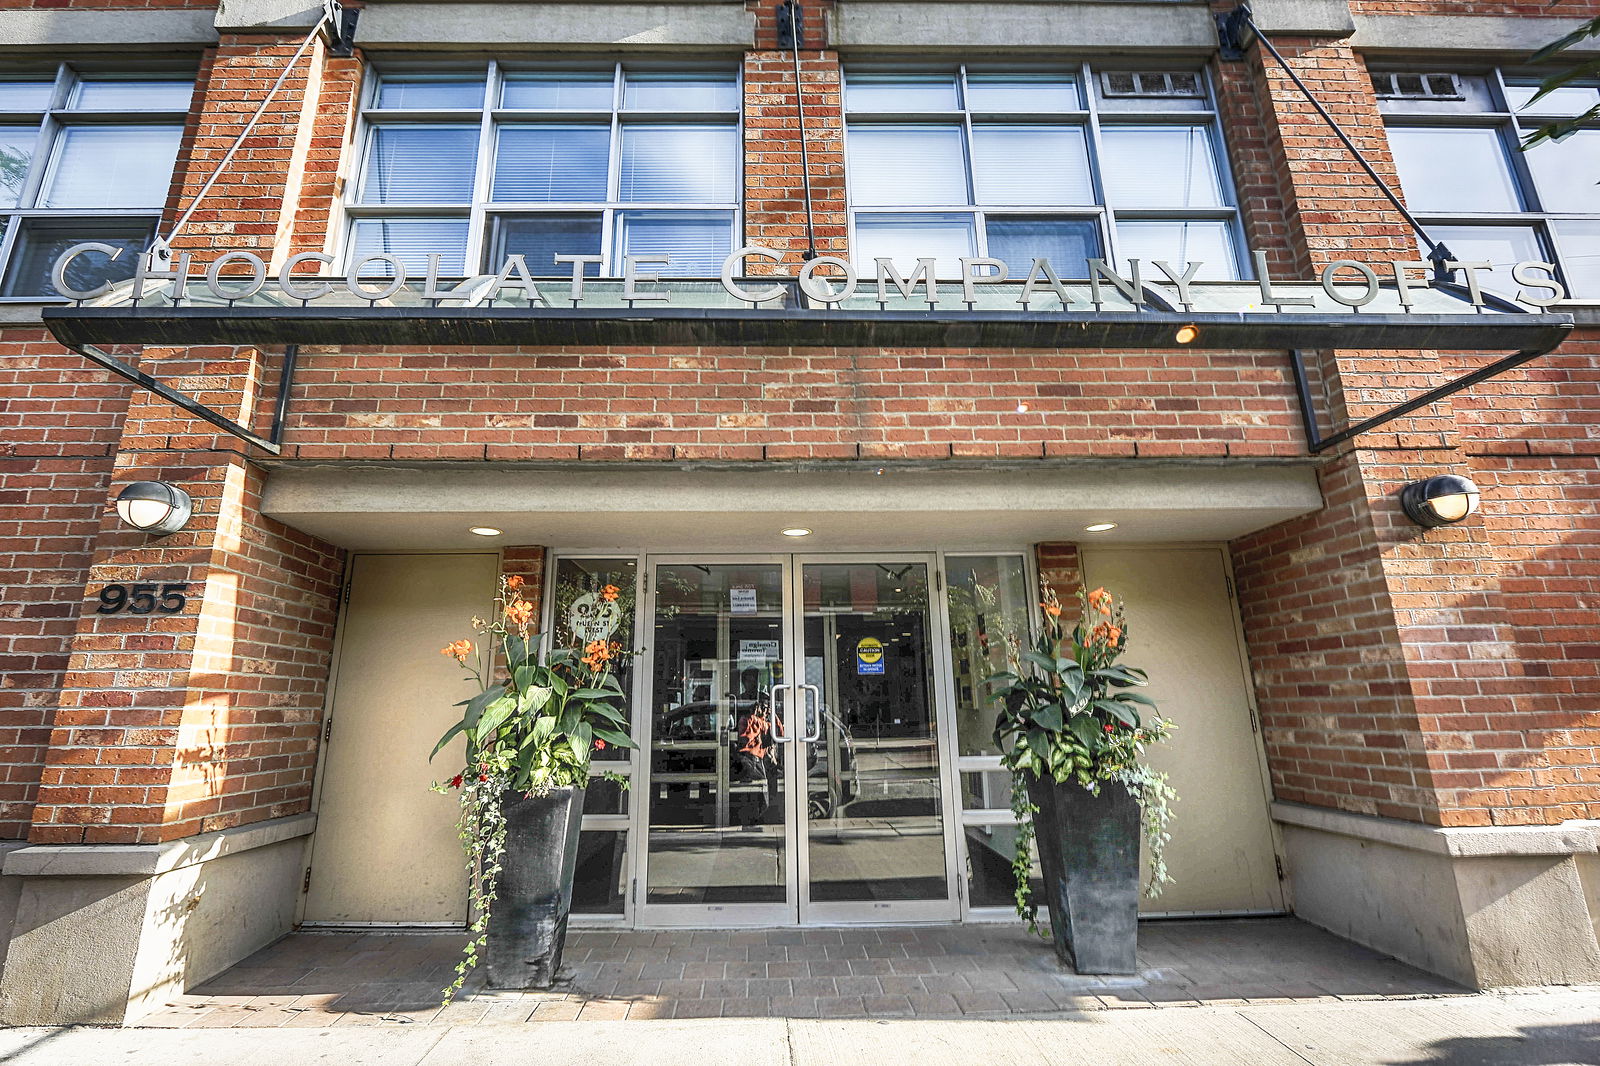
x,y
793,767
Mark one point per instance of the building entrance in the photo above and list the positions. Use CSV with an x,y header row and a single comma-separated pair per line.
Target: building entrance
x,y
795,743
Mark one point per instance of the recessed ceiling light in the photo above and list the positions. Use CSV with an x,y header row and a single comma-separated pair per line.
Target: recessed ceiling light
x,y
486,531
797,531
1099,527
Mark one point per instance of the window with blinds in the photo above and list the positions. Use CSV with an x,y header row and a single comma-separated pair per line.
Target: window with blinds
x,y
1018,165
84,156
610,161
1462,174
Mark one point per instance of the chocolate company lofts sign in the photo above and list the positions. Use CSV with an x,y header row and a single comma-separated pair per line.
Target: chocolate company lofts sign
x,y
236,277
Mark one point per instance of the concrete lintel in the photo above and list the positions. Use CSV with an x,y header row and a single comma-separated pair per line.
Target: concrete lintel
x,y
143,860
1319,18
122,27
1503,35
720,24
1126,26
1569,838
236,16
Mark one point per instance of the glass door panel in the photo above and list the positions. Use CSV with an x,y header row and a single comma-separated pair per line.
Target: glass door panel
x,y
717,812
875,845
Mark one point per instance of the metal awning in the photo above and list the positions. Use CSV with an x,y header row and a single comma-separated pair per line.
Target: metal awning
x,y
1212,316
1227,315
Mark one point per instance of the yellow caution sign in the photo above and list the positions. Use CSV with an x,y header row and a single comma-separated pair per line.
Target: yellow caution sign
x,y
869,656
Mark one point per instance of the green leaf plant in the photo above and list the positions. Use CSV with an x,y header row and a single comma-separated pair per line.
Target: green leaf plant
x,y
533,725
1577,71
1068,714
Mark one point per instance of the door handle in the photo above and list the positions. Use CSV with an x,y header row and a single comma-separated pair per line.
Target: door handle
x,y
777,713
816,702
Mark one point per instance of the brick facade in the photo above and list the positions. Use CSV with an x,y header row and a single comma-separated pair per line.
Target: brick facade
x,y
1448,677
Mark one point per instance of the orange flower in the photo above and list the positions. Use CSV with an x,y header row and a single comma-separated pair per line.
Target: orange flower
x,y
595,654
519,612
458,650
1051,609
610,593
1113,634
514,581
599,745
1100,600
1100,632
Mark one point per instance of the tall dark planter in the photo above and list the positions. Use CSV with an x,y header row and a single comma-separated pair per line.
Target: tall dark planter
x,y
528,920
1089,851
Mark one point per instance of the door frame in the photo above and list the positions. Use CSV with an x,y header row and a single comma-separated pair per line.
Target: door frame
x,y
940,702
797,909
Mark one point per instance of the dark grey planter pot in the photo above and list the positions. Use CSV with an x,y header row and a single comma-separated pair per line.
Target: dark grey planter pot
x,y
528,920
1089,853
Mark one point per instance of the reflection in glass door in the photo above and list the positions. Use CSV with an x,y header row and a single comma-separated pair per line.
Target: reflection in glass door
x,y
718,840
875,838
793,768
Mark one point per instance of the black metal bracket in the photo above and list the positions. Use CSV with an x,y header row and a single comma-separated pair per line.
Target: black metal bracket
x,y
339,23
791,24
1317,443
1236,30
272,443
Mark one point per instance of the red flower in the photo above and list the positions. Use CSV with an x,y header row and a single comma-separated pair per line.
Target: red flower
x,y
483,777
455,782
599,745
1109,728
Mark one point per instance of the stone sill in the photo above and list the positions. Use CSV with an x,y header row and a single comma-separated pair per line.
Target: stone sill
x,y
1568,838
146,860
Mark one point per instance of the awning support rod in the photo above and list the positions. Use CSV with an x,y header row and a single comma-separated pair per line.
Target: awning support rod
x,y
789,11
338,26
1235,30
1317,443
272,444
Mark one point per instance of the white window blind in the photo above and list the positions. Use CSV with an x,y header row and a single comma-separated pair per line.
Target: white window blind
x,y
425,93
679,164
19,95
679,92
1160,166
909,237
890,93
410,240
907,165
696,242
112,166
1021,93
1435,163
119,94
566,91
540,238
420,165
1177,243
1068,243
1031,165
552,163
1579,242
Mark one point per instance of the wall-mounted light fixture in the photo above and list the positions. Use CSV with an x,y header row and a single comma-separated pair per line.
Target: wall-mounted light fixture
x,y
1439,501
154,507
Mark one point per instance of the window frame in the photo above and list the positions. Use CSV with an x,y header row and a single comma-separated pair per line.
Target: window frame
x,y
53,121
1091,117
1509,127
481,211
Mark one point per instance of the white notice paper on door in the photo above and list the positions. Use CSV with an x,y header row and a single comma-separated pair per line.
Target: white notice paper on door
x,y
742,599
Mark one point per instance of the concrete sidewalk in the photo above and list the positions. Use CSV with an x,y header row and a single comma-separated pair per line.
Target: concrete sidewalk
x,y
1536,1028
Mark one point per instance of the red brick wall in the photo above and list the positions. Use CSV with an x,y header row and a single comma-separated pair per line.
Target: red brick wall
x,y
60,418
774,208
790,404
171,725
277,193
1550,9
1060,569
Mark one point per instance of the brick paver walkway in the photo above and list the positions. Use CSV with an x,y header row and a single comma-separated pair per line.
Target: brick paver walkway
x,y
321,979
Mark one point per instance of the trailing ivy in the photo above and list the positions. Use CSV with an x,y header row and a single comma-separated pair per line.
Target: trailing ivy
x,y
1067,715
